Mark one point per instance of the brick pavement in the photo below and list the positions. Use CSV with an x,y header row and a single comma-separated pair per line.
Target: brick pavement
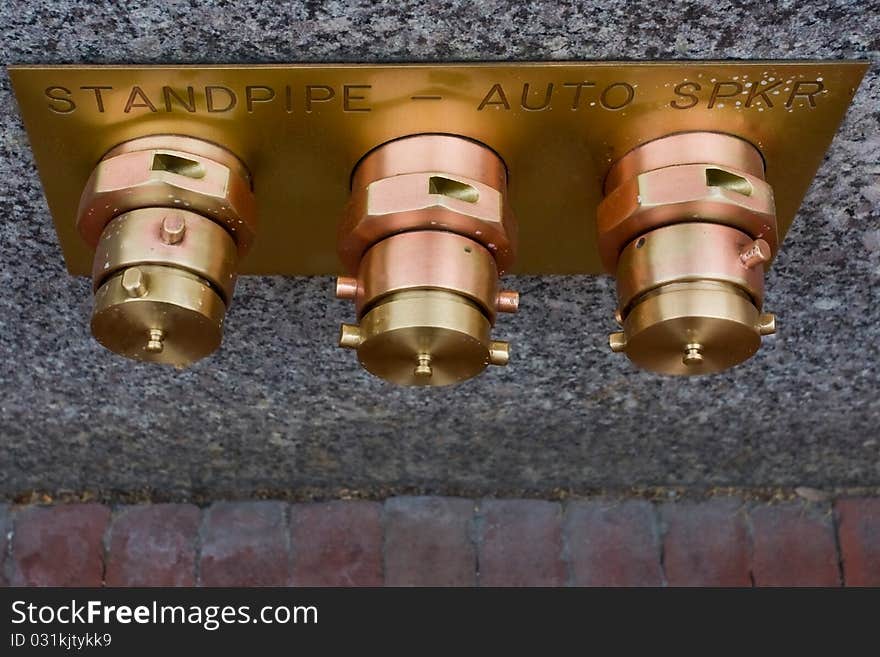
x,y
441,541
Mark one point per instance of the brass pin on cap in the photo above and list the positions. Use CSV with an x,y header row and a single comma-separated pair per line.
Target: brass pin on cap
x,y
134,282
173,229
767,324
424,366
156,342
350,336
499,353
693,354
617,342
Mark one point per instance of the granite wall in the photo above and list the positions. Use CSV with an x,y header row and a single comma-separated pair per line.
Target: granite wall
x,y
279,408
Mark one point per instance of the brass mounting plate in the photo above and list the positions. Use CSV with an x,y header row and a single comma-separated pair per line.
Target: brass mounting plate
x,y
302,128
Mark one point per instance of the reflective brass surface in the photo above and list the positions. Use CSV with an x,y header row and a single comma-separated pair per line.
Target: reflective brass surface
x,y
428,259
142,173
689,242
169,225
687,148
142,237
158,314
426,338
686,252
692,328
558,126
686,192
689,303
404,185
426,232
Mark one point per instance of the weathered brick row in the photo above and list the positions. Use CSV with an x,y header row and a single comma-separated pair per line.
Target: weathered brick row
x,y
244,544
336,544
521,543
858,522
793,545
59,545
613,543
442,541
153,545
706,543
429,542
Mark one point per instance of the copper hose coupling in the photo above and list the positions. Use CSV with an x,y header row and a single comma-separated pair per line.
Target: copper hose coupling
x,y
688,226
168,217
428,231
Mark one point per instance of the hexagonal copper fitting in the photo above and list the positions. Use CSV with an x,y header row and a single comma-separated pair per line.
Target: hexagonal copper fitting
x,y
169,217
688,226
426,233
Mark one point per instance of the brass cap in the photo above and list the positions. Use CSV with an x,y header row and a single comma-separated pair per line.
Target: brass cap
x,y
158,314
696,327
424,338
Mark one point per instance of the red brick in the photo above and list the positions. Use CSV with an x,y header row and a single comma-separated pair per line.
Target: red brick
x,y
153,545
428,542
793,545
59,545
5,528
521,543
336,544
858,526
613,543
244,544
706,543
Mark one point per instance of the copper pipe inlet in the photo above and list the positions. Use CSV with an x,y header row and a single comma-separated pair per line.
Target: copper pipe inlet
x,y
427,231
169,217
689,242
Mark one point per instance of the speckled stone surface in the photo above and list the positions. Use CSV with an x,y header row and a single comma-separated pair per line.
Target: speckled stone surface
x,y
280,408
